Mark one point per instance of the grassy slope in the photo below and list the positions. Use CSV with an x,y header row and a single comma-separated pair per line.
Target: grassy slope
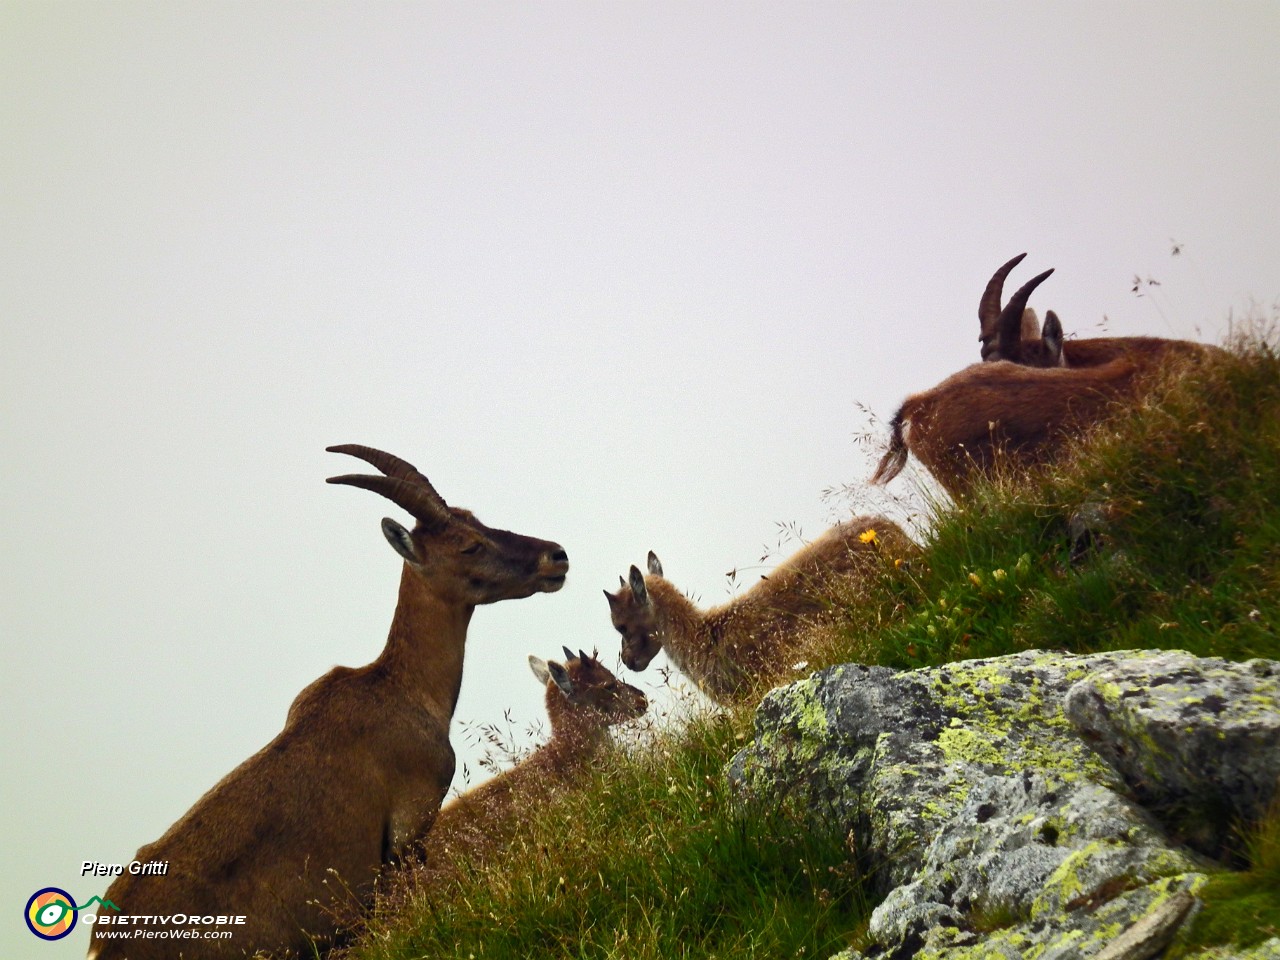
x,y
649,858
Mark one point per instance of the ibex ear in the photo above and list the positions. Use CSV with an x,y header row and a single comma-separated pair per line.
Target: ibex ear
x,y
561,676
539,668
655,565
400,540
1052,338
636,582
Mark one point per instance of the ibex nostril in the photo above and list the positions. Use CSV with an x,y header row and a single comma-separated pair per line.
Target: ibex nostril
x,y
560,557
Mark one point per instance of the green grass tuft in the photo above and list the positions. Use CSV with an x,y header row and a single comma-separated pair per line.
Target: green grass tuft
x,y
650,858
1242,907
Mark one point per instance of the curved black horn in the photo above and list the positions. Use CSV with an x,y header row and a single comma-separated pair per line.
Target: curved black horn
x,y
989,305
421,502
388,463
568,654
1011,317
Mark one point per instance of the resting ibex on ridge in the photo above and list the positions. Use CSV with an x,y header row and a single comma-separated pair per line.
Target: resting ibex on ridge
x,y
583,700
363,762
730,650
1033,391
1013,333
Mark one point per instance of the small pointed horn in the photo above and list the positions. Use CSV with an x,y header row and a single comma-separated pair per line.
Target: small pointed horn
x,y
421,502
568,654
1010,342
989,305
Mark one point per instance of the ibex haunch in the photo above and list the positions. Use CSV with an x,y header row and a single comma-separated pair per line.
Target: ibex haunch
x,y
730,650
958,429
364,760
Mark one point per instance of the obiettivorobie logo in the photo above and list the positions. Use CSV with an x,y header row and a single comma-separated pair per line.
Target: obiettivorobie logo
x,y
51,913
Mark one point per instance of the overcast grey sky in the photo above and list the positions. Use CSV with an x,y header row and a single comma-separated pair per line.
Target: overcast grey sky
x,y
618,275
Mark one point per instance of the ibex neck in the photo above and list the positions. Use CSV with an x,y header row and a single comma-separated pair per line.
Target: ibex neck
x,y
679,621
576,728
573,744
427,642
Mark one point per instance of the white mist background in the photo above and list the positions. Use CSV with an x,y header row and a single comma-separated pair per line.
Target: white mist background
x,y
618,275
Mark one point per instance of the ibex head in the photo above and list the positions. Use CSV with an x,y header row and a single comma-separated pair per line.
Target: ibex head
x,y
448,547
588,685
635,618
1013,332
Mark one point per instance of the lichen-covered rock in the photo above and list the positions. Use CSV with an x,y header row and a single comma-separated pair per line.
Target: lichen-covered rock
x,y
997,824
1185,730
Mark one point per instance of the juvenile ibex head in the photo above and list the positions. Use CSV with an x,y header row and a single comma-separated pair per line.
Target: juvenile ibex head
x,y
635,618
589,689
1013,333
448,546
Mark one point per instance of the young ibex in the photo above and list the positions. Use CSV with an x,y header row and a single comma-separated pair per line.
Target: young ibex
x,y
1013,333
731,650
583,700
363,761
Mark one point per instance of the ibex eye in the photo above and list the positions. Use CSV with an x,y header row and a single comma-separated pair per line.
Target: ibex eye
x,y
473,549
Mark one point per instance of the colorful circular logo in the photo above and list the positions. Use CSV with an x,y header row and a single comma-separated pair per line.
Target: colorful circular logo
x,y
51,913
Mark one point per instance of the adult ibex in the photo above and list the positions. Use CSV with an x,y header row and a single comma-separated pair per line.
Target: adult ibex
x,y
730,650
361,766
1034,389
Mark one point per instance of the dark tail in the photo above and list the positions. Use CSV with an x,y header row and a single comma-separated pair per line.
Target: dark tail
x,y
895,458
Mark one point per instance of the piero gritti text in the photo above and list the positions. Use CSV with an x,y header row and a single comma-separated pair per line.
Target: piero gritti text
x,y
153,868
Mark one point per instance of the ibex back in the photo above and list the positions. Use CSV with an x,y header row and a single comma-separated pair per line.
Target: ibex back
x,y
363,761
731,650
992,412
